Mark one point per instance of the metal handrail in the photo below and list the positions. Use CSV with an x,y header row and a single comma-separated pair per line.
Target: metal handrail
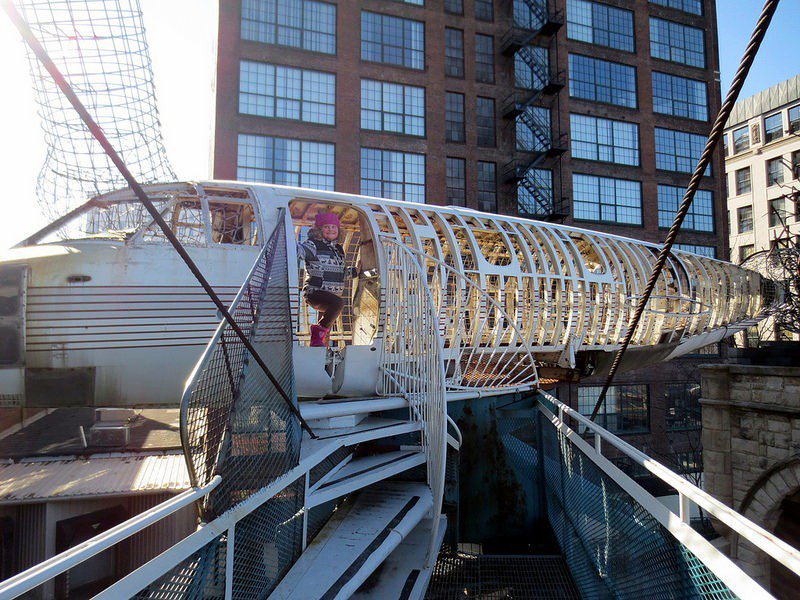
x,y
424,388
525,345
688,492
45,571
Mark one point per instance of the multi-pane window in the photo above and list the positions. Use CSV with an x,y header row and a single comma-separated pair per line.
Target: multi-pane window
x,y
700,216
305,24
746,252
600,24
456,181
678,151
742,181
679,96
602,81
604,140
485,122
725,144
741,139
775,171
607,200
454,117
392,107
625,409
286,93
796,165
484,58
794,119
453,52
393,175
455,7
683,405
690,6
285,162
773,127
776,216
392,40
525,75
487,186
744,217
533,129
709,251
484,10
677,43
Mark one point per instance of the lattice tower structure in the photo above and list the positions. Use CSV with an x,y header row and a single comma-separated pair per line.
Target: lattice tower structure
x,y
101,48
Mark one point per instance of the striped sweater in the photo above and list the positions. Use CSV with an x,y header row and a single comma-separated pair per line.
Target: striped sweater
x,y
326,269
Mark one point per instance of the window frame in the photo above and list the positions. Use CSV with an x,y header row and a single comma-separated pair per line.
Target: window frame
x,y
739,183
304,146
448,120
600,200
303,31
406,118
404,182
613,145
706,198
406,52
482,203
673,98
595,30
452,66
302,102
738,145
774,177
678,141
484,69
489,119
451,177
744,219
672,29
612,86
768,137
586,403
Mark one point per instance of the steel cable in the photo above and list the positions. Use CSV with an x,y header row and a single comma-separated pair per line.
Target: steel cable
x,y
713,138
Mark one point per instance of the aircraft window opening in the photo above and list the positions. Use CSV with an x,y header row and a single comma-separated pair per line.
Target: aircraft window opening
x,y
185,218
233,223
358,322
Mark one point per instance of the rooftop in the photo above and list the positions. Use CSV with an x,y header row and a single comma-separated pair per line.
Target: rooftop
x,y
59,434
765,101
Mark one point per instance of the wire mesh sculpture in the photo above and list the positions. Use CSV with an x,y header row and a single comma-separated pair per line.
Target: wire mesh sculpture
x,y
100,47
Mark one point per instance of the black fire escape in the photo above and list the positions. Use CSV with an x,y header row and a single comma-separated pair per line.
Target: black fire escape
x,y
529,112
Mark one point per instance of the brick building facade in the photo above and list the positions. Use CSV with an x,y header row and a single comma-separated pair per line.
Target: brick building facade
x,y
579,112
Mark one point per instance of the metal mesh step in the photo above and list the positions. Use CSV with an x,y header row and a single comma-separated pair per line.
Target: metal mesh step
x,y
462,575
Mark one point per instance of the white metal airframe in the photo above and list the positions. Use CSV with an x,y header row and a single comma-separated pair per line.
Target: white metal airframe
x,y
109,315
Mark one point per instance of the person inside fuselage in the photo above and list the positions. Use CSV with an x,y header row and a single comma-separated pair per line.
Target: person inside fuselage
x,y
326,273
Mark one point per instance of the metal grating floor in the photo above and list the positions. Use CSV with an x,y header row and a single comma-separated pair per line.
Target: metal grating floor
x,y
494,577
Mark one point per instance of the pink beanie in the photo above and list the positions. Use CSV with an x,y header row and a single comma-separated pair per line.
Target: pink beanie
x,y
326,219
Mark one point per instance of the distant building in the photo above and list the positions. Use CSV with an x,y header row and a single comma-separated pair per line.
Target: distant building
x,y
582,112
762,166
66,476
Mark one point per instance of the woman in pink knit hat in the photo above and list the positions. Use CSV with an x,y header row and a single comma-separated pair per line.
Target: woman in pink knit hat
x,y
326,272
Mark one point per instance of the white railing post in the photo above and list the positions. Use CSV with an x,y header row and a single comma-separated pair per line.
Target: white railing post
x,y
685,508
305,509
229,556
598,444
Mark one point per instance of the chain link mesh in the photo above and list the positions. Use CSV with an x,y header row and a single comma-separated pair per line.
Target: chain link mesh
x,y
234,422
267,543
200,576
613,545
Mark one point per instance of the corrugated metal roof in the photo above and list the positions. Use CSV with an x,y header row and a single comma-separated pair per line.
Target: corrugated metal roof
x,y
765,101
37,480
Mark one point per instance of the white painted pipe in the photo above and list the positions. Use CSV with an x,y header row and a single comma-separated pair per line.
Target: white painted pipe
x,y
392,541
312,411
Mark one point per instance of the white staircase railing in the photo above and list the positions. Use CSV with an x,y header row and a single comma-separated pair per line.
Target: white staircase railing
x,y
585,474
412,364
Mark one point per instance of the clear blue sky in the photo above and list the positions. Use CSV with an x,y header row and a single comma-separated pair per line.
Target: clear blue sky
x,y
779,56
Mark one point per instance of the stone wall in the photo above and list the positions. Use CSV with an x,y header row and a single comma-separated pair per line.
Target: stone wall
x,y
751,448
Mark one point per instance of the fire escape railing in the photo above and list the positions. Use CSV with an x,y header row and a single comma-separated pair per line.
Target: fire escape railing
x,y
528,111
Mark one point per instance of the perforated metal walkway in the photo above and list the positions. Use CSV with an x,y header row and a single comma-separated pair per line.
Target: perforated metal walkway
x,y
493,576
